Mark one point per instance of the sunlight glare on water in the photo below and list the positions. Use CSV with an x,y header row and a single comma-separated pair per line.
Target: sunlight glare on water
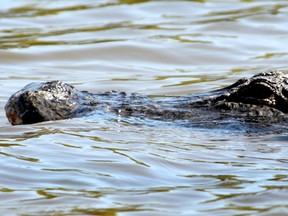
x,y
106,165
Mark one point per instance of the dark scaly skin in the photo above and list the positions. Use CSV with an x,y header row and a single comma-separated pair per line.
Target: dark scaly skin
x,y
262,99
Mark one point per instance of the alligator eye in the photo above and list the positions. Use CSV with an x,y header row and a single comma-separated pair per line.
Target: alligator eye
x,y
260,91
285,92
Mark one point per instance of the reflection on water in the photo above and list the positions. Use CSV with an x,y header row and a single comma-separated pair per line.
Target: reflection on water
x,y
105,165
94,167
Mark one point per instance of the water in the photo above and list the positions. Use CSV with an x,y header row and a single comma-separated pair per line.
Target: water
x,y
107,166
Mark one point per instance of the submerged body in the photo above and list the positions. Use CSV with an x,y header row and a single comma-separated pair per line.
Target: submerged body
x,y
260,100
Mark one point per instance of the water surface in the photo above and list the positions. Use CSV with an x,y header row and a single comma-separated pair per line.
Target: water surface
x,y
101,165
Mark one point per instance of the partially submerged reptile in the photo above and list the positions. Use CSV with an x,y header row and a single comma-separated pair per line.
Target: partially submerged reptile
x,y
260,101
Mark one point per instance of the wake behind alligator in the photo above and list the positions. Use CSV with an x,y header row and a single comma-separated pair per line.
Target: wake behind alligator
x,y
259,102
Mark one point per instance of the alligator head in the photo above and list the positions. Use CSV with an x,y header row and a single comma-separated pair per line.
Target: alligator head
x,y
263,96
264,89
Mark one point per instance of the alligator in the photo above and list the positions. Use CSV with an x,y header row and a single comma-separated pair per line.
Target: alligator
x,y
258,102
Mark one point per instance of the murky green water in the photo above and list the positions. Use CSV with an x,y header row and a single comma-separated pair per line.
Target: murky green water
x,y
106,166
